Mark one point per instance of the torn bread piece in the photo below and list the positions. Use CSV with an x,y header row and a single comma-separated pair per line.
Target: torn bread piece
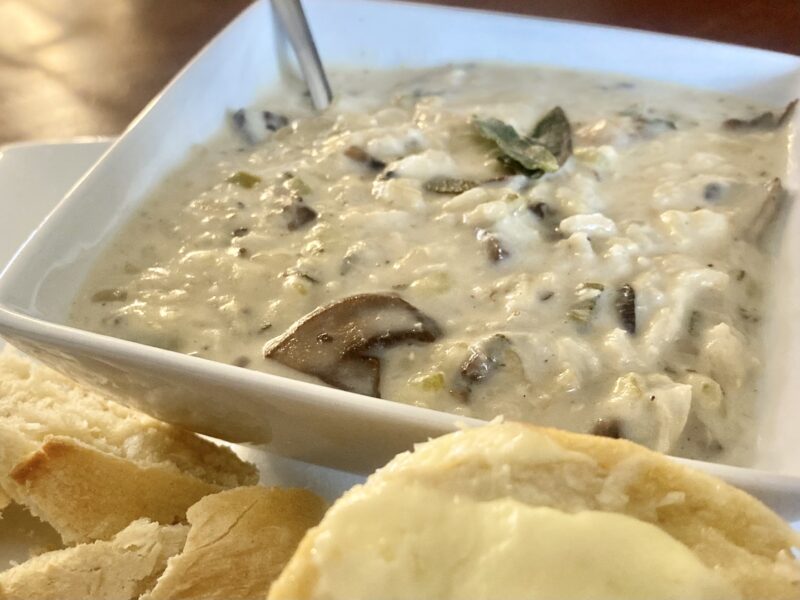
x,y
37,405
90,495
239,542
517,511
36,401
118,569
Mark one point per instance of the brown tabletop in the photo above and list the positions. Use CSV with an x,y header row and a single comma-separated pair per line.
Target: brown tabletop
x,y
86,67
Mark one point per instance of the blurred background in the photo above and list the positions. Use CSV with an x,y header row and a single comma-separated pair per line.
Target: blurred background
x,y
87,67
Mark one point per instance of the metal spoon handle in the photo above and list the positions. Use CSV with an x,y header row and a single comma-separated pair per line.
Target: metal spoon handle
x,y
293,21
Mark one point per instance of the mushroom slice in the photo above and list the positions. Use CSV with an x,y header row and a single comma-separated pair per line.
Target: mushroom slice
x,y
358,154
338,342
483,358
610,428
495,251
774,201
626,307
359,374
767,121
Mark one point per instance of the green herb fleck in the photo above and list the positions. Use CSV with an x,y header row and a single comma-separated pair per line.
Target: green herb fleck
x,y
296,185
582,310
244,179
587,294
432,382
110,295
449,185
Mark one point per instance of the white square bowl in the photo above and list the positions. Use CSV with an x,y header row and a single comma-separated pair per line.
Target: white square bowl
x,y
308,421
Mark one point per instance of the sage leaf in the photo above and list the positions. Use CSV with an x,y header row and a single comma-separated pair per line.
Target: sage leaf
x,y
520,153
554,132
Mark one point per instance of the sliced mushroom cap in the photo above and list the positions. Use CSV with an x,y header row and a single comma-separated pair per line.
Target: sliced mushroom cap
x,y
357,373
483,359
338,342
774,201
767,121
495,251
298,214
626,307
611,428
358,154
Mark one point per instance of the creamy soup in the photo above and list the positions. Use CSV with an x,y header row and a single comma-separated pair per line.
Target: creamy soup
x,y
577,250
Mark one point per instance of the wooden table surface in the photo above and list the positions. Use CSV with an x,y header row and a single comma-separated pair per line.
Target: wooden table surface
x,y
87,67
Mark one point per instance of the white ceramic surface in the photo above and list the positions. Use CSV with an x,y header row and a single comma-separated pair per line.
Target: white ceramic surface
x,y
33,178
313,422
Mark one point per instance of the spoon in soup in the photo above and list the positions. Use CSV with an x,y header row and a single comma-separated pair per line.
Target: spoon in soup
x,y
293,22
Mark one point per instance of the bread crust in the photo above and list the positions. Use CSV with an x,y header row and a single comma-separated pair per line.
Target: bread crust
x,y
36,401
118,569
257,529
48,422
87,495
